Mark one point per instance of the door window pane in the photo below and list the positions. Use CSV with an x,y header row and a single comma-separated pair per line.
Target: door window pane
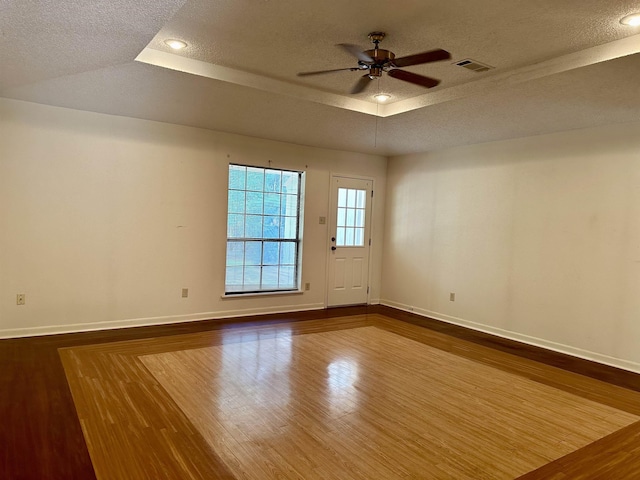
x,y
359,236
342,197
351,217
348,236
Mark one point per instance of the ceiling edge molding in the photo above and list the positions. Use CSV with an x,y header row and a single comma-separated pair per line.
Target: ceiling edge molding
x,y
601,53
252,80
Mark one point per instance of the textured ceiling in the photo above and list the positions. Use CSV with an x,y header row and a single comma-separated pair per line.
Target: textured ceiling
x,y
81,55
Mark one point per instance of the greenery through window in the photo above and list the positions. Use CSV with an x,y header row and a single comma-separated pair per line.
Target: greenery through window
x,y
263,229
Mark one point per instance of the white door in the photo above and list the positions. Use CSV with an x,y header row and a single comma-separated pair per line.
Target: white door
x,y
349,241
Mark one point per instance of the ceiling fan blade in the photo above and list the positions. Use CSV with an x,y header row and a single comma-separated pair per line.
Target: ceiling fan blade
x,y
320,72
357,52
424,57
421,80
363,83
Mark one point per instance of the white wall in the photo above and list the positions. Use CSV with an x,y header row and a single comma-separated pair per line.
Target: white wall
x,y
538,237
104,219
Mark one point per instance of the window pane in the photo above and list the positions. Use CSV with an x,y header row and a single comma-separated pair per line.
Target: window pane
x,y
359,237
254,202
359,218
252,278
270,253
234,276
286,278
348,237
290,182
235,226
287,253
235,254
269,277
236,201
360,199
340,237
272,181
351,220
255,179
290,205
271,203
288,228
253,253
351,198
254,226
271,227
342,215
342,197
237,176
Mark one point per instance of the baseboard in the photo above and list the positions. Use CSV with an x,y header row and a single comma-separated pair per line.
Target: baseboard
x,y
518,337
145,322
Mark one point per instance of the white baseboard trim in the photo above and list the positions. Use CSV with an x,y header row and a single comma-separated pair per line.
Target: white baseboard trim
x,y
518,337
145,322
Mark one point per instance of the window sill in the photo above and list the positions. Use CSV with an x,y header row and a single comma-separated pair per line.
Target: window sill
x,y
228,296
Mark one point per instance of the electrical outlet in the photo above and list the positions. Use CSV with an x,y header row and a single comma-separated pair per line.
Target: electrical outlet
x,y
20,299
307,286
185,292
452,297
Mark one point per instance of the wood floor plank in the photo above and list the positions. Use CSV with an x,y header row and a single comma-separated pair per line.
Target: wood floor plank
x,y
151,391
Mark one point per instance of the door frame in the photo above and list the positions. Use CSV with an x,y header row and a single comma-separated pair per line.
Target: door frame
x,y
333,175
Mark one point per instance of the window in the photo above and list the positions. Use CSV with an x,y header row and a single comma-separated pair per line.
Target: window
x,y
263,230
350,221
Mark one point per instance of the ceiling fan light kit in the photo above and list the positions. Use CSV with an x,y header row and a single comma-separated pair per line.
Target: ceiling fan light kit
x,y
377,61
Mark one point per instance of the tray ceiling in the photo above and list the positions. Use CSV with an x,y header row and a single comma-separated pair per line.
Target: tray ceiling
x,y
558,65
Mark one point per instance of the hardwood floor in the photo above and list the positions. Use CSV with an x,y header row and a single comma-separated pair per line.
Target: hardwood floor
x,y
40,437
43,438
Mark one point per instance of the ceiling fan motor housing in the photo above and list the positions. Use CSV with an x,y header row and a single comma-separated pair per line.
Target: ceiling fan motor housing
x,y
380,56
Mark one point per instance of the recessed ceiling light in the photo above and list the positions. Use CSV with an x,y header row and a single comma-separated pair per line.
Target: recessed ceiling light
x,y
632,20
175,44
382,97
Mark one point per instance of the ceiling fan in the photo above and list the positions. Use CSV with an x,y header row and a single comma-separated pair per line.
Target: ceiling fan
x,y
379,60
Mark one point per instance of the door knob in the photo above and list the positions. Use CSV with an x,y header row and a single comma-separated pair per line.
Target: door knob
x,y
333,239
334,248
